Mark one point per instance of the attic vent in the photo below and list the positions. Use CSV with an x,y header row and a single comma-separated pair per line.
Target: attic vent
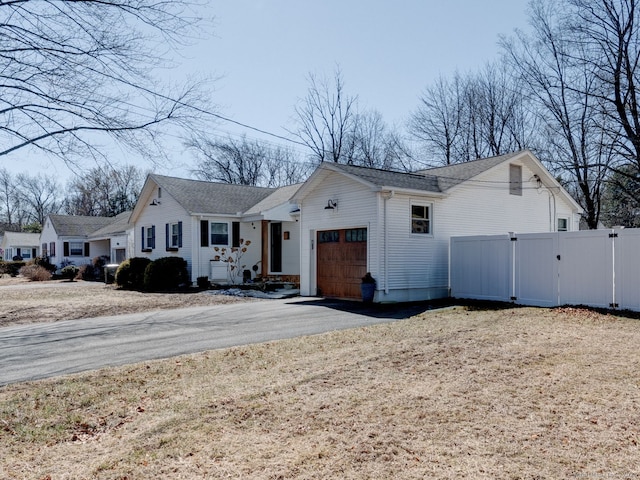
x,y
515,180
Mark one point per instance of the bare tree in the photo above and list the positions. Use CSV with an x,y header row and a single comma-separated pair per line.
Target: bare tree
x,y
326,118
72,70
245,162
607,42
41,196
371,143
577,134
10,214
104,192
438,121
497,122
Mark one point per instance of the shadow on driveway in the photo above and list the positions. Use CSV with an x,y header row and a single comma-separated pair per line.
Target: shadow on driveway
x,y
397,311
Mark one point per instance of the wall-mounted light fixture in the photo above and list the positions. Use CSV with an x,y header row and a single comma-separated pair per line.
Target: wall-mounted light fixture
x,y
154,203
331,204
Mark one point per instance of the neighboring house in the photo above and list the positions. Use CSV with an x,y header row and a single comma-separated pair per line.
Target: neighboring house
x,y
66,239
398,225
115,240
20,245
189,218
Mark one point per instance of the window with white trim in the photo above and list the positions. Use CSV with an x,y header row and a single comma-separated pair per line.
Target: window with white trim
x,y
76,249
421,219
219,233
563,224
174,235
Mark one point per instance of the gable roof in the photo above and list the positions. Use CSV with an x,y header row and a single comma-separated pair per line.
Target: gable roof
x,y
119,225
78,225
21,239
387,178
278,197
433,181
452,175
201,197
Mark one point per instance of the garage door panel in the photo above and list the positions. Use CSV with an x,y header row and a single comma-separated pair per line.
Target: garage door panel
x,y
340,265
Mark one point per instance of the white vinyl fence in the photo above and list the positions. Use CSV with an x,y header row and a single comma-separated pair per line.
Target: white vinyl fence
x,y
599,268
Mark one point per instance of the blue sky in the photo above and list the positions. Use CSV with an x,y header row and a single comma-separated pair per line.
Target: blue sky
x,y
388,52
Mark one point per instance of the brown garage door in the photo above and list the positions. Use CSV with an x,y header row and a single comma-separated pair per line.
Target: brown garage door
x,y
342,262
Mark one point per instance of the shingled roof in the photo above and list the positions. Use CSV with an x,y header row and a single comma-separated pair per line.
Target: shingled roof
x,y
388,178
452,175
197,196
77,225
119,225
438,180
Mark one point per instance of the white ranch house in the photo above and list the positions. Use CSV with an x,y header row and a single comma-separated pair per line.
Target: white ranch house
x,y
19,244
189,218
397,225
78,239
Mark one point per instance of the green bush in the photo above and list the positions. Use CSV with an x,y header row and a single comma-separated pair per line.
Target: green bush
x,y
130,273
167,273
69,272
11,268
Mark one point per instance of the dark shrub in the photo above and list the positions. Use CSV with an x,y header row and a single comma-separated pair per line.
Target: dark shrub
x,y
69,272
95,271
44,263
11,268
167,273
130,273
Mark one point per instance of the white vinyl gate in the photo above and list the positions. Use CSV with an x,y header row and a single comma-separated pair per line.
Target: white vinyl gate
x,y
599,268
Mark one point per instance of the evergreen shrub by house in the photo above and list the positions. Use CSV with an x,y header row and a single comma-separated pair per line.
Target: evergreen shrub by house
x,y
11,268
69,272
130,273
95,270
167,273
45,263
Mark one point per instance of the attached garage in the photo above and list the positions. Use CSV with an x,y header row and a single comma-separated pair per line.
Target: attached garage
x,y
341,262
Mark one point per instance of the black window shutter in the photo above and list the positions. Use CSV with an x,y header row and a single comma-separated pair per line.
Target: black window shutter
x,y
166,236
18,252
65,249
142,238
235,234
153,237
179,234
87,253
204,233
52,249
34,252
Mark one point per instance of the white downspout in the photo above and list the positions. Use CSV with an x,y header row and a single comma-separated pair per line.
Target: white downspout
x,y
386,196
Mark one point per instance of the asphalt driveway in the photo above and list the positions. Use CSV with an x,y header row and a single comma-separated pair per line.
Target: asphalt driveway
x,y
35,351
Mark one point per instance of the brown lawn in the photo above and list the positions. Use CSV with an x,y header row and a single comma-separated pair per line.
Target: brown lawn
x,y
520,393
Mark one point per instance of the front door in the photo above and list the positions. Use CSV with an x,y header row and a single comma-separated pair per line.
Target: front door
x,y
276,247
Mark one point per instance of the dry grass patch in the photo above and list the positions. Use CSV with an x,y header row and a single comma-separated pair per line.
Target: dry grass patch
x,y
509,394
26,302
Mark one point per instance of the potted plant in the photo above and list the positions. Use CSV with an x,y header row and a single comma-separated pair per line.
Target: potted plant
x,y
368,288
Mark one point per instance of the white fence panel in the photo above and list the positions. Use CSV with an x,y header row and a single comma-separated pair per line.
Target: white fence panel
x,y
536,269
586,268
599,268
627,269
480,267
